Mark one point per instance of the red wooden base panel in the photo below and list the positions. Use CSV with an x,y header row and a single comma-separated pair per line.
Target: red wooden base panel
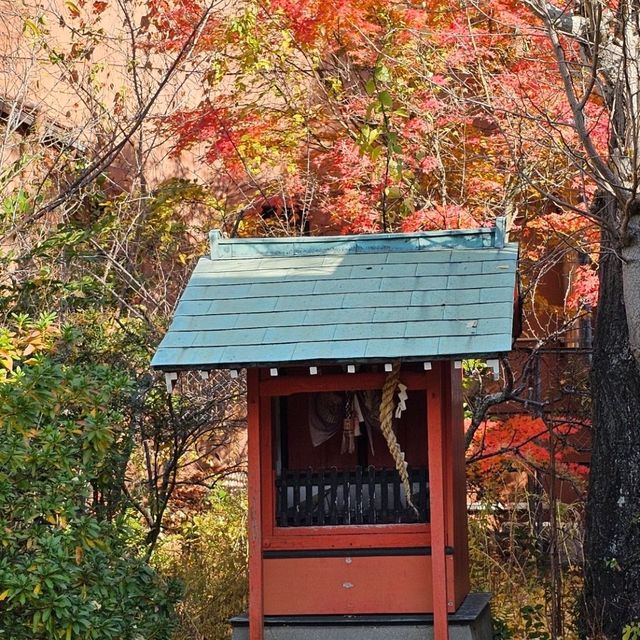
x,y
348,585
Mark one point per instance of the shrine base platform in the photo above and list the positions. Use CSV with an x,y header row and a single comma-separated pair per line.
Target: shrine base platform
x,y
472,621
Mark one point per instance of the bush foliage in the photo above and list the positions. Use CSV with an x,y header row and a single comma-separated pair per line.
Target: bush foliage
x,y
209,554
71,565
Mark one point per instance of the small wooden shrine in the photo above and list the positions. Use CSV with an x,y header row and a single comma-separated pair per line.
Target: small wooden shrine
x,y
353,348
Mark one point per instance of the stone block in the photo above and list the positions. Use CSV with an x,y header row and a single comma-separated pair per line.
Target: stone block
x,y
472,621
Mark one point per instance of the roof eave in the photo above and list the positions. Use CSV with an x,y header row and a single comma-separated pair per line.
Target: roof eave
x,y
319,362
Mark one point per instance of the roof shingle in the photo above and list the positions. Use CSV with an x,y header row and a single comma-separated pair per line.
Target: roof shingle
x,y
269,302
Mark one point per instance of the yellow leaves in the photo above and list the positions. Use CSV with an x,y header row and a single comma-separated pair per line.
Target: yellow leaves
x,y
5,594
21,345
37,589
6,360
29,435
57,520
31,28
286,44
92,543
79,554
73,8
29,349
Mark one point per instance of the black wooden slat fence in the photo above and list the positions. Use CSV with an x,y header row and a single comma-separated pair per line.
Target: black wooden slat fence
x,y
363,496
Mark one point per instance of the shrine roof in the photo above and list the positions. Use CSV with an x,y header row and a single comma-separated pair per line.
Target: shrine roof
x,y
345,299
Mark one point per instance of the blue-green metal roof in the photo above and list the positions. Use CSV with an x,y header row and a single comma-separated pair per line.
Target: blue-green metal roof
x,y
347,299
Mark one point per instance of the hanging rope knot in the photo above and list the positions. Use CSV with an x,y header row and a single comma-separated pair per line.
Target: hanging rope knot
x,y
386,426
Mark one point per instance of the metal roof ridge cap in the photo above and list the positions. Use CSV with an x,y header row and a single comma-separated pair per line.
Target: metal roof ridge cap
x,y
355,236
217,238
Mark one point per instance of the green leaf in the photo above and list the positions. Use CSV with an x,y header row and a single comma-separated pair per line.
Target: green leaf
x,y
385,99
393,192
36,621
370,87
376,152
382,74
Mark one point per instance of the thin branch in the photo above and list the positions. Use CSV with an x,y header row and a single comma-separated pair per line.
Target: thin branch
x,y
103,162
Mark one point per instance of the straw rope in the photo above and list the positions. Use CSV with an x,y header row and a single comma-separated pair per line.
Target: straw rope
x,y
386,426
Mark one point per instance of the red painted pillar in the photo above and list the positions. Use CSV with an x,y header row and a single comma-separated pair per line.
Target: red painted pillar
x,y
256,600
435,438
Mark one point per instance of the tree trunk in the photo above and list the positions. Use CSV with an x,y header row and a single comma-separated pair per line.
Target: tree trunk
x,y
631,278
612,545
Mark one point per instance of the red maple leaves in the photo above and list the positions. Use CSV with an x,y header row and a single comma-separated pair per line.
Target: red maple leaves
x,y
533,442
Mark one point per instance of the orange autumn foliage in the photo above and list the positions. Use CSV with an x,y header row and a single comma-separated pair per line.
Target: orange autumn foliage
x,y
363,116
529,441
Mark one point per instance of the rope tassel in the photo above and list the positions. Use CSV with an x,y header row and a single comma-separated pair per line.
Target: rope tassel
x,y
386,426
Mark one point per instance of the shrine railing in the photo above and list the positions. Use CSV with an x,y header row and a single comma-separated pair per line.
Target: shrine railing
x,y
362,496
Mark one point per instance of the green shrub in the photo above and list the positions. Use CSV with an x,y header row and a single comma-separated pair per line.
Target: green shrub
x,y
71,567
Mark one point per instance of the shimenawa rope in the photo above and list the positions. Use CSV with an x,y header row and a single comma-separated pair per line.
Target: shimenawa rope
x,y
386,426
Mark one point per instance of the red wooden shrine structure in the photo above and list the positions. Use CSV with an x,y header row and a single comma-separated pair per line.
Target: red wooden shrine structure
x,y
333,333
358,567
